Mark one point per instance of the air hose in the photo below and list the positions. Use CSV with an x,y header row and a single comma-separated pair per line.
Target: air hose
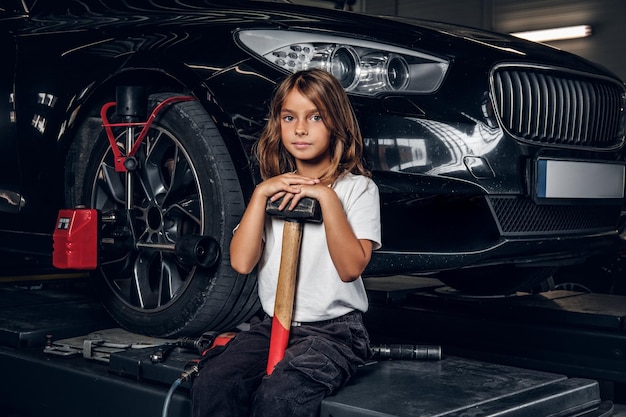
x,y
209,342
185,376
168,397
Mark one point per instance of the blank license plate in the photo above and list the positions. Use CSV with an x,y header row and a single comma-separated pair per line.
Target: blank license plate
x,y
575,179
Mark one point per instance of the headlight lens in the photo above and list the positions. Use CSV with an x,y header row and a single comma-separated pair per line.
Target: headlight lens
x,y
361,66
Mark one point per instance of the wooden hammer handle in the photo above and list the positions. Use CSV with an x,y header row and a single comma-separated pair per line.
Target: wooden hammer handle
x,y
285,292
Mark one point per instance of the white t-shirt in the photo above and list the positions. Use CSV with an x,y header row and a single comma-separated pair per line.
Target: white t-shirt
x,y
320,293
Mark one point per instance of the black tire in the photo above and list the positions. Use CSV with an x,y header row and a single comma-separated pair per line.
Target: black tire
x,y
186,184
496,280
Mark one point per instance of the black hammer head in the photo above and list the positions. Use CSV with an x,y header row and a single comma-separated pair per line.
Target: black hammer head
x,y
307,210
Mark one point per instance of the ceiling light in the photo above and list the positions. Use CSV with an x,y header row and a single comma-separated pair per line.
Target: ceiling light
x,y
545,35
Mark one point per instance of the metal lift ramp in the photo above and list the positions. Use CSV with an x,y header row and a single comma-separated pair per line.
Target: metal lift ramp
x,y
461,387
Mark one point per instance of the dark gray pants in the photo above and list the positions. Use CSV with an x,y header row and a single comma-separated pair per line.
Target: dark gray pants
x,y
320,359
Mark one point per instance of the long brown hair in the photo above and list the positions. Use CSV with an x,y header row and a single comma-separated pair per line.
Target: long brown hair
x,y
332,102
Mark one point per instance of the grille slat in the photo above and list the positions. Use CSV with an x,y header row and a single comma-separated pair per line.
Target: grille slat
x,y
552,107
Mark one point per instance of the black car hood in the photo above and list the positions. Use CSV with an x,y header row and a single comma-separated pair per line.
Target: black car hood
x,y
455,43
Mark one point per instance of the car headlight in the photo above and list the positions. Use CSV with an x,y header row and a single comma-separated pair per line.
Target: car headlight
x,y
361,66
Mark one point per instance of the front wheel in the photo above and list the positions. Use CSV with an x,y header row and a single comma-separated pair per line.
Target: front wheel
x,y
184,184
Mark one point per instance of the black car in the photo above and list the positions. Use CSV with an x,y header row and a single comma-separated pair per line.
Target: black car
x,y
498,160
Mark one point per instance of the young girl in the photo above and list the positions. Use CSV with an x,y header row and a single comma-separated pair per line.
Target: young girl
x,y
311,147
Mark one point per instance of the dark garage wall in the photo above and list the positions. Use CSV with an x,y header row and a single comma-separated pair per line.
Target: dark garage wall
x,y
465,12
606,46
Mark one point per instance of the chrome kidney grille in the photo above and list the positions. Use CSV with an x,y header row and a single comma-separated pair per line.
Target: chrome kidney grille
x,y
557,108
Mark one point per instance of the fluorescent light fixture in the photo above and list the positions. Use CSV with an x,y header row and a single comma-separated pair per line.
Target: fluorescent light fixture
x,y
545,35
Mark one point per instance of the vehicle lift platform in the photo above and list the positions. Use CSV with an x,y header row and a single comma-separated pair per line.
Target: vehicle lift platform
x,y
61,354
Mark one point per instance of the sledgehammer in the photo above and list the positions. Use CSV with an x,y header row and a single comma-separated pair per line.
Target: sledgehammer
x,y
307,209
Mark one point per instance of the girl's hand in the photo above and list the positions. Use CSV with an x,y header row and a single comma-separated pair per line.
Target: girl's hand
x,y
286,186
246,246
315,191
